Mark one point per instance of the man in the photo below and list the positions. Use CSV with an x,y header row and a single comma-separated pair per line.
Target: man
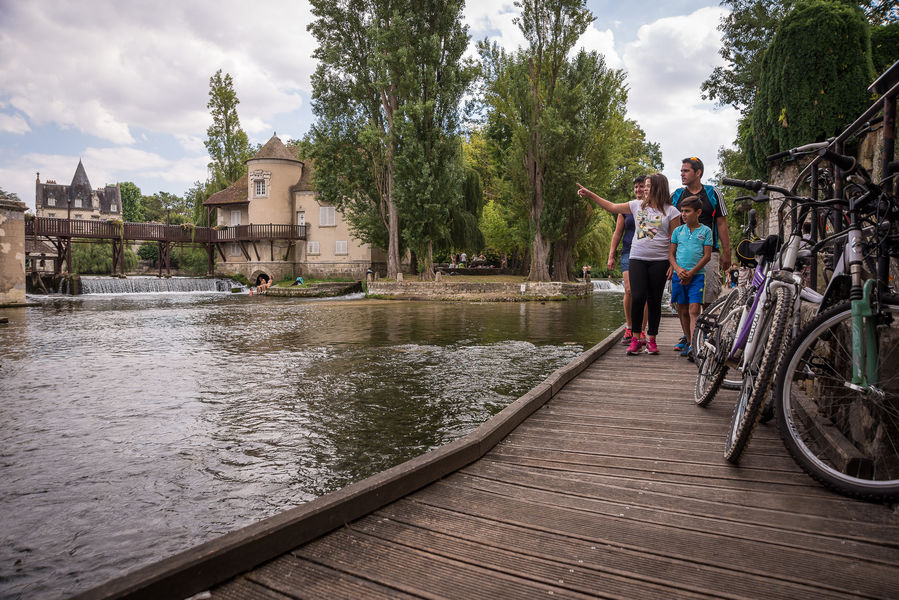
x,y
714,215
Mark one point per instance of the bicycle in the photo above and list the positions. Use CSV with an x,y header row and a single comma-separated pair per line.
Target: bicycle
x,y
836,396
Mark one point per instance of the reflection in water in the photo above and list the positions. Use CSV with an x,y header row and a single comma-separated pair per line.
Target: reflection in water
x,y
136,426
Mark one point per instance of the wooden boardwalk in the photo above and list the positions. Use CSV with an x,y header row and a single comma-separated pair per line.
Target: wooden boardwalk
x,y
615,488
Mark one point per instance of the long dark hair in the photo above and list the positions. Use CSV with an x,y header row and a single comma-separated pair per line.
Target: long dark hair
x,y
658,197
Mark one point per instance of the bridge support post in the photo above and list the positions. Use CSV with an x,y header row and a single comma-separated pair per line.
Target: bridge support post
x,y
12,252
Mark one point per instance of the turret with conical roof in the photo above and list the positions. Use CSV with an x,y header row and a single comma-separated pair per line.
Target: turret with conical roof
x,y
81,186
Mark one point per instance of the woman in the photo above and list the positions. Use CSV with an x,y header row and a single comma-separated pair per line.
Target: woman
x,y
655,218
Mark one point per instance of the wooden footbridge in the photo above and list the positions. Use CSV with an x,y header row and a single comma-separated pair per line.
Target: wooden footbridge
x,y
60,233
603,481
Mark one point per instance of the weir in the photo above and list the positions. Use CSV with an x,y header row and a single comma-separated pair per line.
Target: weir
x,y
151,285
607,285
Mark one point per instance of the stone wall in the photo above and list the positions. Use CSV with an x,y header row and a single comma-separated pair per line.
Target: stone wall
x,y
12,252
489,291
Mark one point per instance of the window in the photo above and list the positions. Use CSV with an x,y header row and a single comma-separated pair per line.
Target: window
x,y
260,188
312,248
235,249
77,202
301,217
340,247
112,207
78,216
96,217
327,217
51,201
235,218
51,215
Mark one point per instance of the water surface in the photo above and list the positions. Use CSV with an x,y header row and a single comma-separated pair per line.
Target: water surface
x,y
137,425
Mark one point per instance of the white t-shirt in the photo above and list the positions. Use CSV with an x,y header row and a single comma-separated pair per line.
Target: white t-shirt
x,y
652,234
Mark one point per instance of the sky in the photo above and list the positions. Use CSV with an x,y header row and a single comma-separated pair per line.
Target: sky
x,y
123,86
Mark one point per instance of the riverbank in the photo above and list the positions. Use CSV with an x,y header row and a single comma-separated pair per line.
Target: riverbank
x,y
479,291
317,290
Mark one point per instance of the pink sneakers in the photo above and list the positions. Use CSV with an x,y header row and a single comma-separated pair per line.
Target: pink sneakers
x,y
635,347
628,336
651,347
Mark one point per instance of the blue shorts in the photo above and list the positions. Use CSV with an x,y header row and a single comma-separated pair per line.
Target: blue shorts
x,y
625,261
692,293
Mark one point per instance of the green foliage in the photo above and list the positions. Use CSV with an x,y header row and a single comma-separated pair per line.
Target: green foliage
x,y
386,95
96,259
131,202
552,122
149,252
746,31
884,47
813,78
226,142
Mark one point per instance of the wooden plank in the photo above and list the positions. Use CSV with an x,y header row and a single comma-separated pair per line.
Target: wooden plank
x,y
621,562
847,576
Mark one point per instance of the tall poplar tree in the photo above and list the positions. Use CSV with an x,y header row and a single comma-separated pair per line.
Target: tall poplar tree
x,y
524,88
386,95
227,143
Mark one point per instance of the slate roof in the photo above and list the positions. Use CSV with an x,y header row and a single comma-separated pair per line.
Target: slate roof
x,y
275,148
236,193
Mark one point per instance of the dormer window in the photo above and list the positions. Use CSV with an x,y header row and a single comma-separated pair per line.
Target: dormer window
x,y
51,201
112,207
77,202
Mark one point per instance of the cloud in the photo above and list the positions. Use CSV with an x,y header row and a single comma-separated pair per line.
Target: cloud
x,y
495,17
13,124
602,42
105,67
666,65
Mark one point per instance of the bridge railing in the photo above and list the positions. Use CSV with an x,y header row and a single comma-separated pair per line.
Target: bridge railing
x,y
80,228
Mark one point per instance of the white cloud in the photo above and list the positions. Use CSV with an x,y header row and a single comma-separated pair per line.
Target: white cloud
x,y
602,42
496,18
104,67
666,66
13,124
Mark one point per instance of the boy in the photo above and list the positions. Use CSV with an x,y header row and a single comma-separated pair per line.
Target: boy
x,y
691,249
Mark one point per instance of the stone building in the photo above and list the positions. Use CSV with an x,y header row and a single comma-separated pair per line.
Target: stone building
x,y
77,200
277,189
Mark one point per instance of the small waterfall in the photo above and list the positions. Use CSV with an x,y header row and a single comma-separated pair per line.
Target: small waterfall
x,y
607,285
155,285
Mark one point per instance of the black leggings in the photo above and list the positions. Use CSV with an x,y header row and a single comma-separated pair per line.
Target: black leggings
x,y
647,285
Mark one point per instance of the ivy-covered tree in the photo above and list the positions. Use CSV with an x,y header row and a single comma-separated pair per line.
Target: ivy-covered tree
x,y
226,142
813,79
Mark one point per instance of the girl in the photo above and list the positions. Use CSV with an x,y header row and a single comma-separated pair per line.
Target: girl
x,y
655,219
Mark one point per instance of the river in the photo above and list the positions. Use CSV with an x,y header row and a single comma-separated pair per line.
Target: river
x,y
138,425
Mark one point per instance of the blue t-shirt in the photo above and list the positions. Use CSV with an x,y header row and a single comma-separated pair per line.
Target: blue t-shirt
x,y
690,245
629,228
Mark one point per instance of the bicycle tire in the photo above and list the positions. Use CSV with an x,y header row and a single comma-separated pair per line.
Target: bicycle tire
x,y
711,353
757,379
844,439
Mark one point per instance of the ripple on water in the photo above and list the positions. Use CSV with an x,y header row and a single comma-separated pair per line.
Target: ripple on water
x,y
135,427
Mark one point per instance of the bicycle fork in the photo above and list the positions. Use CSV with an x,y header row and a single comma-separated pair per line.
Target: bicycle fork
x,y
864,343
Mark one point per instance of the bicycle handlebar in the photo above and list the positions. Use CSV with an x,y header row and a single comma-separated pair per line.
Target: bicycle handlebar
x,y
846,163
799,150
755,185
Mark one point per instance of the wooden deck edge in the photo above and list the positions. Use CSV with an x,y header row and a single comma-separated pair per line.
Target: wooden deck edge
x,y
215,561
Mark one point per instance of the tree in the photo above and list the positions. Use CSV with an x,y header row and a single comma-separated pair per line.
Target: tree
x,y
798,100
521,92
430,177
131,204
226,142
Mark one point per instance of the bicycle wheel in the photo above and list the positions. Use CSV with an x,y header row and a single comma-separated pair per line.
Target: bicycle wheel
x,y
757,375
712,340
846,439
